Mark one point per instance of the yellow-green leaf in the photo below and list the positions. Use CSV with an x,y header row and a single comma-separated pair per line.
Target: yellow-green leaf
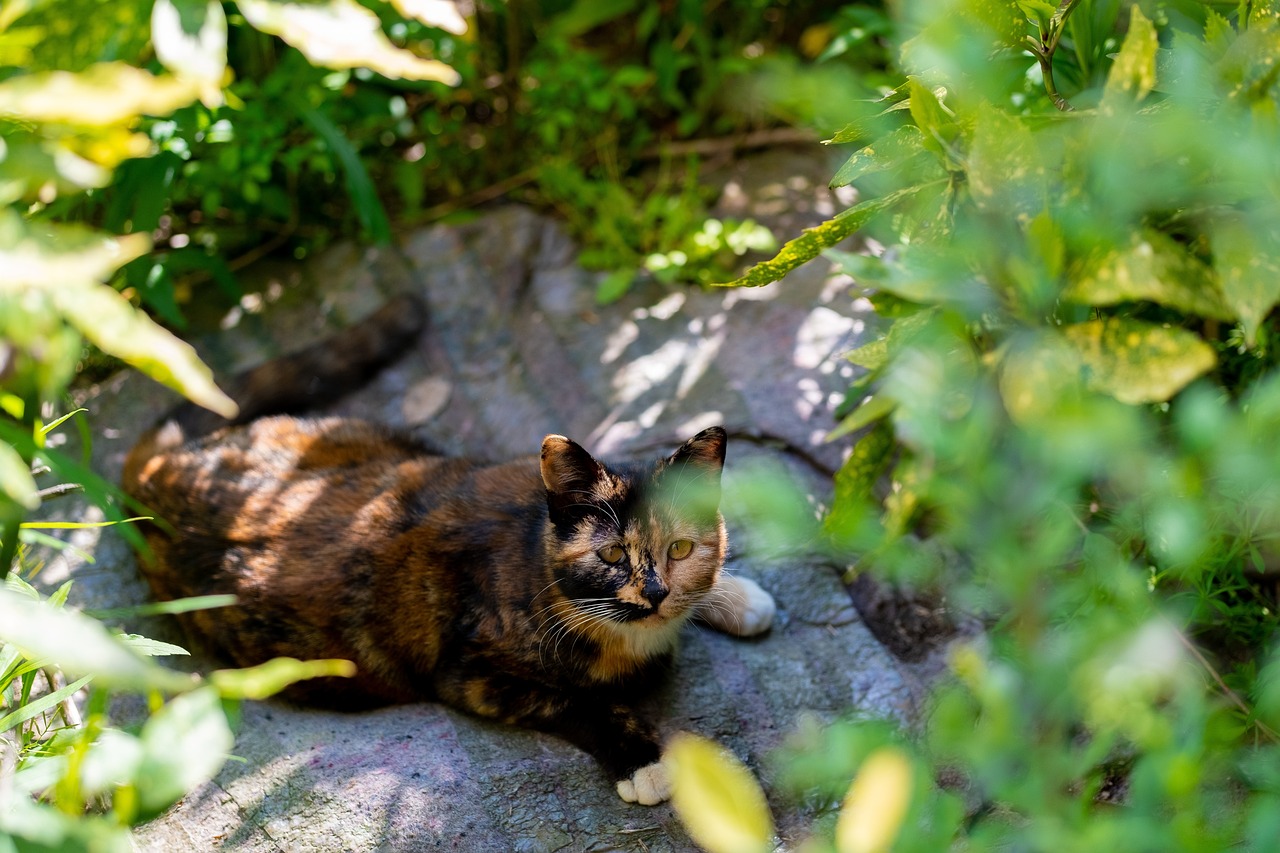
x,y
1155,268
16,482
871,817
1133,74
268,679
1138,362
1006,169
104,94
108,320
813,240
933,119
717,798
43,255
1037,373
341,34
183,745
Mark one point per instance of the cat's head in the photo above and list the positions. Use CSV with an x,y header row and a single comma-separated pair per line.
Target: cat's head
x,y
638,545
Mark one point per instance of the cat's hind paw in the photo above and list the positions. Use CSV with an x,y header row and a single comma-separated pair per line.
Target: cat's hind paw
x,y
738,606
648,786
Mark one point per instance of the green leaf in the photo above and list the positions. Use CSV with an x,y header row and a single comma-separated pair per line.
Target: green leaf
x,y
856,480
934,120
585,15
108,93
341,34
814,240
270,678
16,482
872,356
1155,268
872,409
190,39
150,648
1248,268
79,646
887,153
364,195
1138,362
1006,170
717,798
38,706
614,286
1133,74
108,320
161,608
184,744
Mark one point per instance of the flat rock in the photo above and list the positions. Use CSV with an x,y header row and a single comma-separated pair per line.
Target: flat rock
x,y
516,349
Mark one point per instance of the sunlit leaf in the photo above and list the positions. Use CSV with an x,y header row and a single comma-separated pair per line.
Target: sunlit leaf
x,y
1154,268
105,94
1138,362
434,13
341,34
871,817
79,646
190,39
79,525
813,240
108,320
149,647
872,356
717,798
44,255
856,479
184,744
270,678
1133,74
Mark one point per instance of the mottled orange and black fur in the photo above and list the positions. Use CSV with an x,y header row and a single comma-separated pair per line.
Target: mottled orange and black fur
x,y
545,592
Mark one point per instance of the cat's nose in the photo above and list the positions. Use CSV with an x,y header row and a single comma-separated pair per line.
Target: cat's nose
x,y
655,591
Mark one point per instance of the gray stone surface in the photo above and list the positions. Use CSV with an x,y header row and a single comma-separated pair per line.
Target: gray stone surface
x,y
516,348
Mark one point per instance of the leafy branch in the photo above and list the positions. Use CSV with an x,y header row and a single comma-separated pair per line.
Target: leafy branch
x,y
1046,45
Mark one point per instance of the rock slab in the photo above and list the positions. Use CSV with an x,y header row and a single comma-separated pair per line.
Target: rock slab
x,y
516,349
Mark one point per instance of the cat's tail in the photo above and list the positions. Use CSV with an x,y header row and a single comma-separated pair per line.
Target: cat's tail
x,y
308,378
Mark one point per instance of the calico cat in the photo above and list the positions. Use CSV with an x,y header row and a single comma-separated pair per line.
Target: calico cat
x,y
545,592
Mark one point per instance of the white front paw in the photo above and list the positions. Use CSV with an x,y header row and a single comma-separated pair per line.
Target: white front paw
x,y
648,786
757,610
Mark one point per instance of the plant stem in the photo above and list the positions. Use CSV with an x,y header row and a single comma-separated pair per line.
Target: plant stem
x,y
1044,47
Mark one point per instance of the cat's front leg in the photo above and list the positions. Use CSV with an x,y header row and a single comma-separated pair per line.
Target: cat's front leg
x,y
737,606
624,743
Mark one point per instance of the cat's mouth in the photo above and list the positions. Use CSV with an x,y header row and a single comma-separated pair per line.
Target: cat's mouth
x,y
632,613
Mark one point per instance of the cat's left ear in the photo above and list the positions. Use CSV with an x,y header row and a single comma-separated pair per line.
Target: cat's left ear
x,y
698,464
704,452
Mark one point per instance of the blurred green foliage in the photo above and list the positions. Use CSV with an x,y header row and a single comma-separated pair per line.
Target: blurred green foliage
x,y
1068,425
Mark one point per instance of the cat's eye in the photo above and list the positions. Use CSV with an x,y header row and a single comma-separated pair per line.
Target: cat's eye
x,y
611,554
680,549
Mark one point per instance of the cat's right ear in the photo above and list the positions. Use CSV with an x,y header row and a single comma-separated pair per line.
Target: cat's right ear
x,y
569,473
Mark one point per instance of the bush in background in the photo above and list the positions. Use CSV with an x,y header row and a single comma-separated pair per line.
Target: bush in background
x,y
1068,426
